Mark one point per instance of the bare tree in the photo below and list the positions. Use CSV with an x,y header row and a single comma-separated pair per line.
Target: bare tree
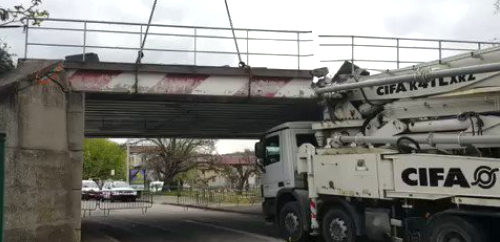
x,y
206,174
497,6
175,156
240,172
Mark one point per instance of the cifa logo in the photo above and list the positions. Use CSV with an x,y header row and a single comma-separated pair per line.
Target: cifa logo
x,y
484,177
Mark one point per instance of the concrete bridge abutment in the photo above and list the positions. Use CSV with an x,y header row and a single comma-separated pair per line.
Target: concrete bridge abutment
x,y
44,125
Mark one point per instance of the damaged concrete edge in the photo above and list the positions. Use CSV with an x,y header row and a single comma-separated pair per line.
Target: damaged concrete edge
x,y
24,74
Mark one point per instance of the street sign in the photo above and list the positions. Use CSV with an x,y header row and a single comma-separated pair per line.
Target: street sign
x,y
138,179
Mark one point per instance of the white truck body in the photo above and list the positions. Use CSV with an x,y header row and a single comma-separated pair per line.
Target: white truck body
x,y
399,156
388,176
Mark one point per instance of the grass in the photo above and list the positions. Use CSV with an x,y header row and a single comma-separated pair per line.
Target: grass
x,y
216,197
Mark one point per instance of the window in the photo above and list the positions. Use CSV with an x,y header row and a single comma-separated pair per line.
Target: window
x,y
272,150
306,138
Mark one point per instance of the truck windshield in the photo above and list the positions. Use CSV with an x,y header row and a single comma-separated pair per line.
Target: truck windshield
x,y
272,150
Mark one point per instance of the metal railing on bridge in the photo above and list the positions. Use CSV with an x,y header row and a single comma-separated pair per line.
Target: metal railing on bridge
x,y
383,53
193,45
214,46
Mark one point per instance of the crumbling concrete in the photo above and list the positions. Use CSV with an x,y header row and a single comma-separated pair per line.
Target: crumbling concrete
x,y
44,126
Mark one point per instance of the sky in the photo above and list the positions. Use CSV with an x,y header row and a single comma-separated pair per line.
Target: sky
x,y
444,19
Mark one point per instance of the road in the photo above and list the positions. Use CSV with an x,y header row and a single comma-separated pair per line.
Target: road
x,y
171,223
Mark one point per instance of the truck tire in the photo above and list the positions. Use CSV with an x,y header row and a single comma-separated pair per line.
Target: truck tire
x,y
338,226
291,223
449,228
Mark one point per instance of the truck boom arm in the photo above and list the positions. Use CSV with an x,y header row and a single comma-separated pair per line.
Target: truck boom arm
x,y
423,75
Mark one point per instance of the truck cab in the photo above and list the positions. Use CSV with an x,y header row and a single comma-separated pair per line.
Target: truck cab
x,y
277,153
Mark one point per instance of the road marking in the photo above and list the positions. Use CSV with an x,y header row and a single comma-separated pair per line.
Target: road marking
x,y
262,237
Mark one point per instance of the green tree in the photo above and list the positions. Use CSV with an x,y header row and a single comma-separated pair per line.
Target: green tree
x,y
100,157
6,60
23,15
18,14
190,177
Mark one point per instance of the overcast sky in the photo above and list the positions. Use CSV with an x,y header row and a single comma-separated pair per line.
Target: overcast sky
x,y
447,19
463,19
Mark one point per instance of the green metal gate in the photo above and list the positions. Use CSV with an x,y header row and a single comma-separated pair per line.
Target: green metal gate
x,y
2,183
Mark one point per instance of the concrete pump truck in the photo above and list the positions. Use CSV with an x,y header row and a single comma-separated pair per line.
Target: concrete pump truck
x,y
410,154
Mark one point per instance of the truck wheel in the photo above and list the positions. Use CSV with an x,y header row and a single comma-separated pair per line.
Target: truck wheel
x,y
291,223
338,226
450,228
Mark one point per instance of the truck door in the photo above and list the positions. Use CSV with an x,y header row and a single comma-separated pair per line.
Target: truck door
x,y
274,178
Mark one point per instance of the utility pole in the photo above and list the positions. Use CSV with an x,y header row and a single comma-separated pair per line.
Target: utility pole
x,y
128,162
2,184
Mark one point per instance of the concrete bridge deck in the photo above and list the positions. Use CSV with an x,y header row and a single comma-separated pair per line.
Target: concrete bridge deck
x,y
125,100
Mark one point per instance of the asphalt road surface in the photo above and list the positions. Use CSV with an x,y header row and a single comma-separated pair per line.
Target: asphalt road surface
x,y
172,223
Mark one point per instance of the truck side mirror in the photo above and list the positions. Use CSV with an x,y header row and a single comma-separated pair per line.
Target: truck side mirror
x,y
260,151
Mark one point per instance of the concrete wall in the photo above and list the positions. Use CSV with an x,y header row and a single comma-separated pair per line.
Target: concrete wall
x,y
44,128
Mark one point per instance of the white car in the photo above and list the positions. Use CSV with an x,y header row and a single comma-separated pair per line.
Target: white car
x,y
90,190
156,186
118,190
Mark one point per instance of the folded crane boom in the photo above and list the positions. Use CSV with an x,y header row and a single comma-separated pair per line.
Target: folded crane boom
x,y
419,75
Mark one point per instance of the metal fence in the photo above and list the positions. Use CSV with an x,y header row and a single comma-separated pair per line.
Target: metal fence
x,y
89,206
382,53
197,44
143,202
217,198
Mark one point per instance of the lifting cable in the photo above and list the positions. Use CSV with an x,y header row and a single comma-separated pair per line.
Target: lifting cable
x,y
140,54
241,64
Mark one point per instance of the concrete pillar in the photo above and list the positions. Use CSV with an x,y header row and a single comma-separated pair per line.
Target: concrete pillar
x,y
44,127
75,131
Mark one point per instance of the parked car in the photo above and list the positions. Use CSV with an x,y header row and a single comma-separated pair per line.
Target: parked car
x,y
156,186
118,190
138,187
90,190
